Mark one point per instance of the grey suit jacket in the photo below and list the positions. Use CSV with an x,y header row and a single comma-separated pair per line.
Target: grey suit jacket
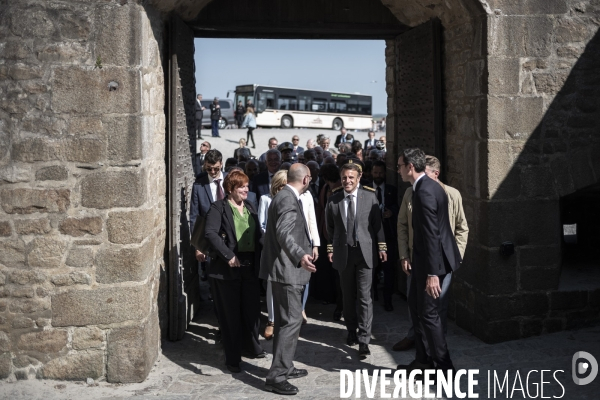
x,y
369,229
286,241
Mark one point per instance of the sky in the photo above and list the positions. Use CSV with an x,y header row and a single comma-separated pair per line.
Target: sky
x,y
352,66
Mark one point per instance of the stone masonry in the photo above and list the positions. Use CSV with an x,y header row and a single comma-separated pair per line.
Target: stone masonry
x,y
83,175
82,196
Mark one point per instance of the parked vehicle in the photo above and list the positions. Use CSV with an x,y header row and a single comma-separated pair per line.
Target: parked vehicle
x,y
227,111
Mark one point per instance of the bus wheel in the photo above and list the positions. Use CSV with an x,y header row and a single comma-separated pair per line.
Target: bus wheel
x,y
287,122
337,124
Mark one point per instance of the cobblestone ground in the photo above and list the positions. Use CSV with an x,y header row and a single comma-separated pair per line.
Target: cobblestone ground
x,y
193,368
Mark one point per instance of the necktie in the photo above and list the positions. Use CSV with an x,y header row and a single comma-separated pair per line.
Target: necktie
x,y
351,236
379,199
220,193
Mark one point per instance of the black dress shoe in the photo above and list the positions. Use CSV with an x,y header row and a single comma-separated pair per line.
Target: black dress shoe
x,y
262,354
337,315
388,307
234,368
297,373
352,339
363,350
283,387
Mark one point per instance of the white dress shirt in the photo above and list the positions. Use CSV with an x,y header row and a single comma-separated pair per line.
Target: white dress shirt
x,y
308,206
213,185
263,211
414,185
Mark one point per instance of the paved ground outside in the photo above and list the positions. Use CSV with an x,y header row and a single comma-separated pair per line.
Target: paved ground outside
x,y
193,368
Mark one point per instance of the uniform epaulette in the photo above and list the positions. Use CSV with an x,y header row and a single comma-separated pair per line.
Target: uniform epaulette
x,y
336,189
369,188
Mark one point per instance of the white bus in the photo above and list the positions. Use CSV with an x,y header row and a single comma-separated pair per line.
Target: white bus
x,y
289,108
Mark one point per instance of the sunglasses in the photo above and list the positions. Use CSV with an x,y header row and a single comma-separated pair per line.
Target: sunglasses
x,y
212,169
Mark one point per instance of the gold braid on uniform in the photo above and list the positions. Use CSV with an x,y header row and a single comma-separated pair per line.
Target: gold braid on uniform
x,y
369,188
330,248
382,246
336,189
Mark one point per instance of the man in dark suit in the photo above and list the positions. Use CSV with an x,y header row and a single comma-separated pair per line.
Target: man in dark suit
x,y
341,138
435,254
204,148
387,196
370,143
215,116
199,114
286,262
262,182
356,243
297,149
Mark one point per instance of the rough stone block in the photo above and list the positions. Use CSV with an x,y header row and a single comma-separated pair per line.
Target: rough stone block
x,y
16,49
73,278
546,256
497,331
539,222
22,323
503,75
23,72
27,201
552,83
51,341
80,257
20,291
119,35
67,96
132,352
81,126
531,327
529,7
5,228
26,277
4,342
129,226
569,30
86,150
115,265
522,36
571,300
539,278
5,362
81,226
100,306
13,174
114,189
78,366
569,52
505,118
46,252
12,253
22,361
36,226
36,149
552,325
28,306
53,173
124,138
86,338
538,181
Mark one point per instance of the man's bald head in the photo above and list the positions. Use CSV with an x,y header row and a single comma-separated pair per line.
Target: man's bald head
x,y
297,172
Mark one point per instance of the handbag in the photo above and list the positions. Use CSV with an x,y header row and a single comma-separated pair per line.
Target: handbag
x,y
199,240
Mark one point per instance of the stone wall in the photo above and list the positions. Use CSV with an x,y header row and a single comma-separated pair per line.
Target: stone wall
x,y
82,195
542,143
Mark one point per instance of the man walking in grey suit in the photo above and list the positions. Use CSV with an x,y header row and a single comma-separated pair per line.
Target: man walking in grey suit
x,y
355,235
287,263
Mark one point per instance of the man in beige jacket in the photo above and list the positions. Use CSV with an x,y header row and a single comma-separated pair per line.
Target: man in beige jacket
x,y
459,226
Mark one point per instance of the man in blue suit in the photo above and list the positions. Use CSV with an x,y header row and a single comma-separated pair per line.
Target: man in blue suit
x,y
262,182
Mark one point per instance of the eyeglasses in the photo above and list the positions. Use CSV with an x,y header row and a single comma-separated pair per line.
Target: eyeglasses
x,y
204,144
295,140
212,169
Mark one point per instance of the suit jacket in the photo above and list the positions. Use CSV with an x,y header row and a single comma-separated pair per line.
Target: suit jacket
x,y
366,147
220,232
456,213
201,197
260,184
434,248
199,112
338,140
390,201
299,149
369,229
286,241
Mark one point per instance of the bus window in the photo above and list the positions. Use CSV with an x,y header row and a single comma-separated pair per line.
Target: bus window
x,y
337,106
303,103
364,108
319,105
287,103
352,107
265,100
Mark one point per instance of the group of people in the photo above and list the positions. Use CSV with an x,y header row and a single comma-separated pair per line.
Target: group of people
x,y
316,221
